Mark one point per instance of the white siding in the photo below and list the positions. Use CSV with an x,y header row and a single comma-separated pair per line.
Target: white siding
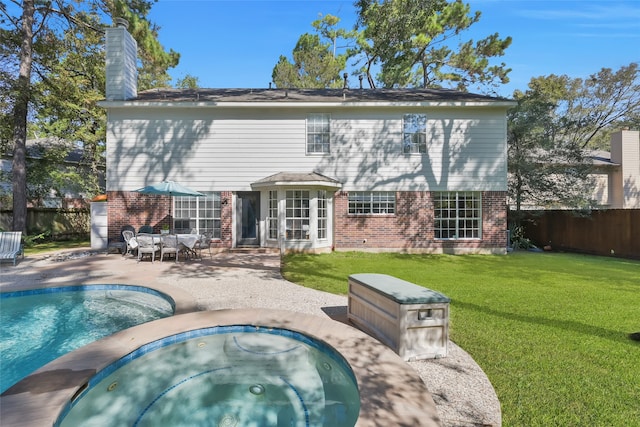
x,y
601,191
224,149
625,150
121,71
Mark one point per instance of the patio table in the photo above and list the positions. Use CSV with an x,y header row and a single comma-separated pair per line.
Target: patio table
x,y
188,242
185,241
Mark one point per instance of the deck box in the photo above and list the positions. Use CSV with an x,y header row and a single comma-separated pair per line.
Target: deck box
x,y
410,319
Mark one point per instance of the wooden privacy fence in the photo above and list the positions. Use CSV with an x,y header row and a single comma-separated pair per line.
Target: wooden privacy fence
x,y
61,223
611,232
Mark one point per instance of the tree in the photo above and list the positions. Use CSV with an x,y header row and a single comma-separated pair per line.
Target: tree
x,y
49,173
65,107
544,169
188,82
38,31
21,92
411,41
554,124
588,109
316,63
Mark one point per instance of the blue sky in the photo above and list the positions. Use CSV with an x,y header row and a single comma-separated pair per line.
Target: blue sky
x,y
236,43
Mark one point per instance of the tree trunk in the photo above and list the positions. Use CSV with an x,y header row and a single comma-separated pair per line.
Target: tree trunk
x,y
20,111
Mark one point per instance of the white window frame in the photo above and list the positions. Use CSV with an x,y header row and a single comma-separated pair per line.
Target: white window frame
x,y
298,215
372,203
318,133
196,212
272,215
322,213
457,215
414,133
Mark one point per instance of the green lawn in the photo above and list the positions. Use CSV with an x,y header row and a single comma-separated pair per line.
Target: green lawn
x,y
550,330
56,245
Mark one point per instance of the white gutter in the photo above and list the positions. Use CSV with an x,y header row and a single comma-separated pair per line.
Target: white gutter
x,y
296,183
284,104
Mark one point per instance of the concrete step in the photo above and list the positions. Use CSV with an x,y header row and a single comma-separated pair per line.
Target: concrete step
x,y
254,250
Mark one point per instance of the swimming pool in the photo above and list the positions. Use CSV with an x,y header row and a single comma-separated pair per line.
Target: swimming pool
x,y
41,325
391,392
222,376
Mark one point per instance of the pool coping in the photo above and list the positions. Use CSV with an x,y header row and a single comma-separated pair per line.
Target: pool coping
x,y
182,301
391,392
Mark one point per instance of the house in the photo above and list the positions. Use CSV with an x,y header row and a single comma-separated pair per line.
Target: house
x,y
308,170
617,173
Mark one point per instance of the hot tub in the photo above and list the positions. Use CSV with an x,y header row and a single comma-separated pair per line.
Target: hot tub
x,y
390,391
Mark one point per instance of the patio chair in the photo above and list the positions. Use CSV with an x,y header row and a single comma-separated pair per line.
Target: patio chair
x,y
169,245
147,244
204,244
146,229
120,244
129,240
11,245
128,227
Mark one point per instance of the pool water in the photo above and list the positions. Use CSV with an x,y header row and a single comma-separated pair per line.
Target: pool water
x,y
41,325
222,376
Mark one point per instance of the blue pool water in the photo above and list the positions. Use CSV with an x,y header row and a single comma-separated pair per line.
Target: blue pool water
x,y
222,376
41,325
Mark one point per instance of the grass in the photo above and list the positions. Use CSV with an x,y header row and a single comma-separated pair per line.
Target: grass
x,y
549,330
59,245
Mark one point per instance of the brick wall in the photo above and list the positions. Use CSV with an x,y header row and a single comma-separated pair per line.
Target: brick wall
x,y
226,215
494,219
411,227
135,209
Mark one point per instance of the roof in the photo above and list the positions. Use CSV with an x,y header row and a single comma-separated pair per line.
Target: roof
x,y
601,158
314,96
36,149
297,179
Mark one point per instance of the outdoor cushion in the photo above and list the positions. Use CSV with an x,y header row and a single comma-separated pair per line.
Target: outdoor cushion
x,y
10,245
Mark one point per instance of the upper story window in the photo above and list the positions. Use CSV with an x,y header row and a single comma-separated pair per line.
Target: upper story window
x,y
372,202
318,133
414,135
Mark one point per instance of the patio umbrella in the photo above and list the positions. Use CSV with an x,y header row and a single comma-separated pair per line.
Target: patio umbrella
x,y
169,188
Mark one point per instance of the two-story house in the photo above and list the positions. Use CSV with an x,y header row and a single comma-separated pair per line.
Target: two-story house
x,y
415,170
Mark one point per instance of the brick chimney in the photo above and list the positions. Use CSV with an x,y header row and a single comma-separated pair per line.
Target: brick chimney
x,y
121,59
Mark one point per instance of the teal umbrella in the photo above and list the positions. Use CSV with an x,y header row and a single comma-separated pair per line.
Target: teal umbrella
x,y
169,188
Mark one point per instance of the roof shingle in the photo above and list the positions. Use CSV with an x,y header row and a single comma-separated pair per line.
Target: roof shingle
x,y
312,95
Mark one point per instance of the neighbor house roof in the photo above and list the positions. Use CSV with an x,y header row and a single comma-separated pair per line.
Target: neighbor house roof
x,y
36,149
601,158
335,96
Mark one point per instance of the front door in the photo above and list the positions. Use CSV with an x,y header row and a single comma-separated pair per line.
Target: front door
x,y
248,214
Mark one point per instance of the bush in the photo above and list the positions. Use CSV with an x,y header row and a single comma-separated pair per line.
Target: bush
x,y
33,239
519,240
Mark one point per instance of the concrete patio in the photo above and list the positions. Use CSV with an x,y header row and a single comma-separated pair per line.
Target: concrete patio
x,y
462,394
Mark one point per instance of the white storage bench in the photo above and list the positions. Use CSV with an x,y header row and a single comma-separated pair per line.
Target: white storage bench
x,y
410,319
